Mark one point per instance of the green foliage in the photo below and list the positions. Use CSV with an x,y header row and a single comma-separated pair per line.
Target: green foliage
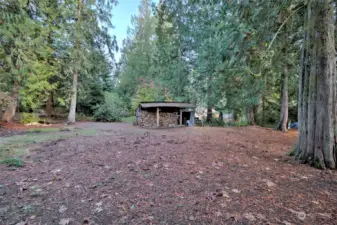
x,y
29,118
4,100
130,119
44,42
240,123
83,117
113,109
12,162
147,93
292,152
214,123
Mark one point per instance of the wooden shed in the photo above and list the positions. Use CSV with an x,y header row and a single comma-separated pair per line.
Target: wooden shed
x,y
165,114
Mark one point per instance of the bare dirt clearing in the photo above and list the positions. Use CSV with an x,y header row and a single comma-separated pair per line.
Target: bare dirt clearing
x,y
126,175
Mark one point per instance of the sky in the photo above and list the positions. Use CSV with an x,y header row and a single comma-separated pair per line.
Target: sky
x,y
122,19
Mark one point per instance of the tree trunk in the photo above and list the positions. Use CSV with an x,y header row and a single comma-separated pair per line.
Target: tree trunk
x,y
11,109
72,110
209,115
49,104
282,125
317,88
251,116
73,102
235,115
209,106
221,116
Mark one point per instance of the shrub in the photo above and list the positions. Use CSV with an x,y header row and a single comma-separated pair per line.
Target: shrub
x,y
14,162
113,109
144,94
29,118
5,99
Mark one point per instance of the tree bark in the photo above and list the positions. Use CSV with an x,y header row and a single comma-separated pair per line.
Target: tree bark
x,y
251,116
235,115
49,104
317,88
73,102
209,115
72,110
221,116
11,109
282,125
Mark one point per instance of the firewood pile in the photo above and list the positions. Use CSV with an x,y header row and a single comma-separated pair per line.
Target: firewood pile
x,y
149,119
168,119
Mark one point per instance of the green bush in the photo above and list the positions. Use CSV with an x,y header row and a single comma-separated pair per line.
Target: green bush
x,y
113,109
29,118
12,162
144,94
214,123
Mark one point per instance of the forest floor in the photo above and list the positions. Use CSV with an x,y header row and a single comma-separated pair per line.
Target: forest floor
x,y
97,173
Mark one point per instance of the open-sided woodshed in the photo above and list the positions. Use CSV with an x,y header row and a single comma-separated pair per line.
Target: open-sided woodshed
x,y
165,114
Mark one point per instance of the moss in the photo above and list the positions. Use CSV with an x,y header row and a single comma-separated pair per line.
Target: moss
x,y
292,152
317,164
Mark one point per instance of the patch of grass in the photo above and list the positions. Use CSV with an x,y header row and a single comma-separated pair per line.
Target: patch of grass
x,y
12,162
13,146
44,130
36,137
82,117
130,119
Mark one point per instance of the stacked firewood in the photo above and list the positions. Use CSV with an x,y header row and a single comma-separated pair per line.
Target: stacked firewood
x,y
168,119
149,119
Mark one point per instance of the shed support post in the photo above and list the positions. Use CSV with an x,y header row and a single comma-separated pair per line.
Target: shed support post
x,y
181,118
157,117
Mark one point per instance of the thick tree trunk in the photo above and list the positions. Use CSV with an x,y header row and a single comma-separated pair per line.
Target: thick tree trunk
x,y
317,88
11,109
282,125
72,110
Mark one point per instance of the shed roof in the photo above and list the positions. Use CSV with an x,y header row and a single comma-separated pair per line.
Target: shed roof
x,y
166,104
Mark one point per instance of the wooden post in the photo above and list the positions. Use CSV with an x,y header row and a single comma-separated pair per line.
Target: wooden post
x,y
157,117
181,117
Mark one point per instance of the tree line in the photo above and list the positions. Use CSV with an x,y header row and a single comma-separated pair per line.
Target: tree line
x,y
267,62
264,61
55,53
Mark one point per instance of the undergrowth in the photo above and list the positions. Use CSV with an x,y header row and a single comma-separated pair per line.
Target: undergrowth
x,y
129,119
219,123
292,152
12,162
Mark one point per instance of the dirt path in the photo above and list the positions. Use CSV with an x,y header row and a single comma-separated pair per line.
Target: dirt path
x,y
128,175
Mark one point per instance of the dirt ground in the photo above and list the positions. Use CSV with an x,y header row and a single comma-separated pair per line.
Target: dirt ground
x,y
127,175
